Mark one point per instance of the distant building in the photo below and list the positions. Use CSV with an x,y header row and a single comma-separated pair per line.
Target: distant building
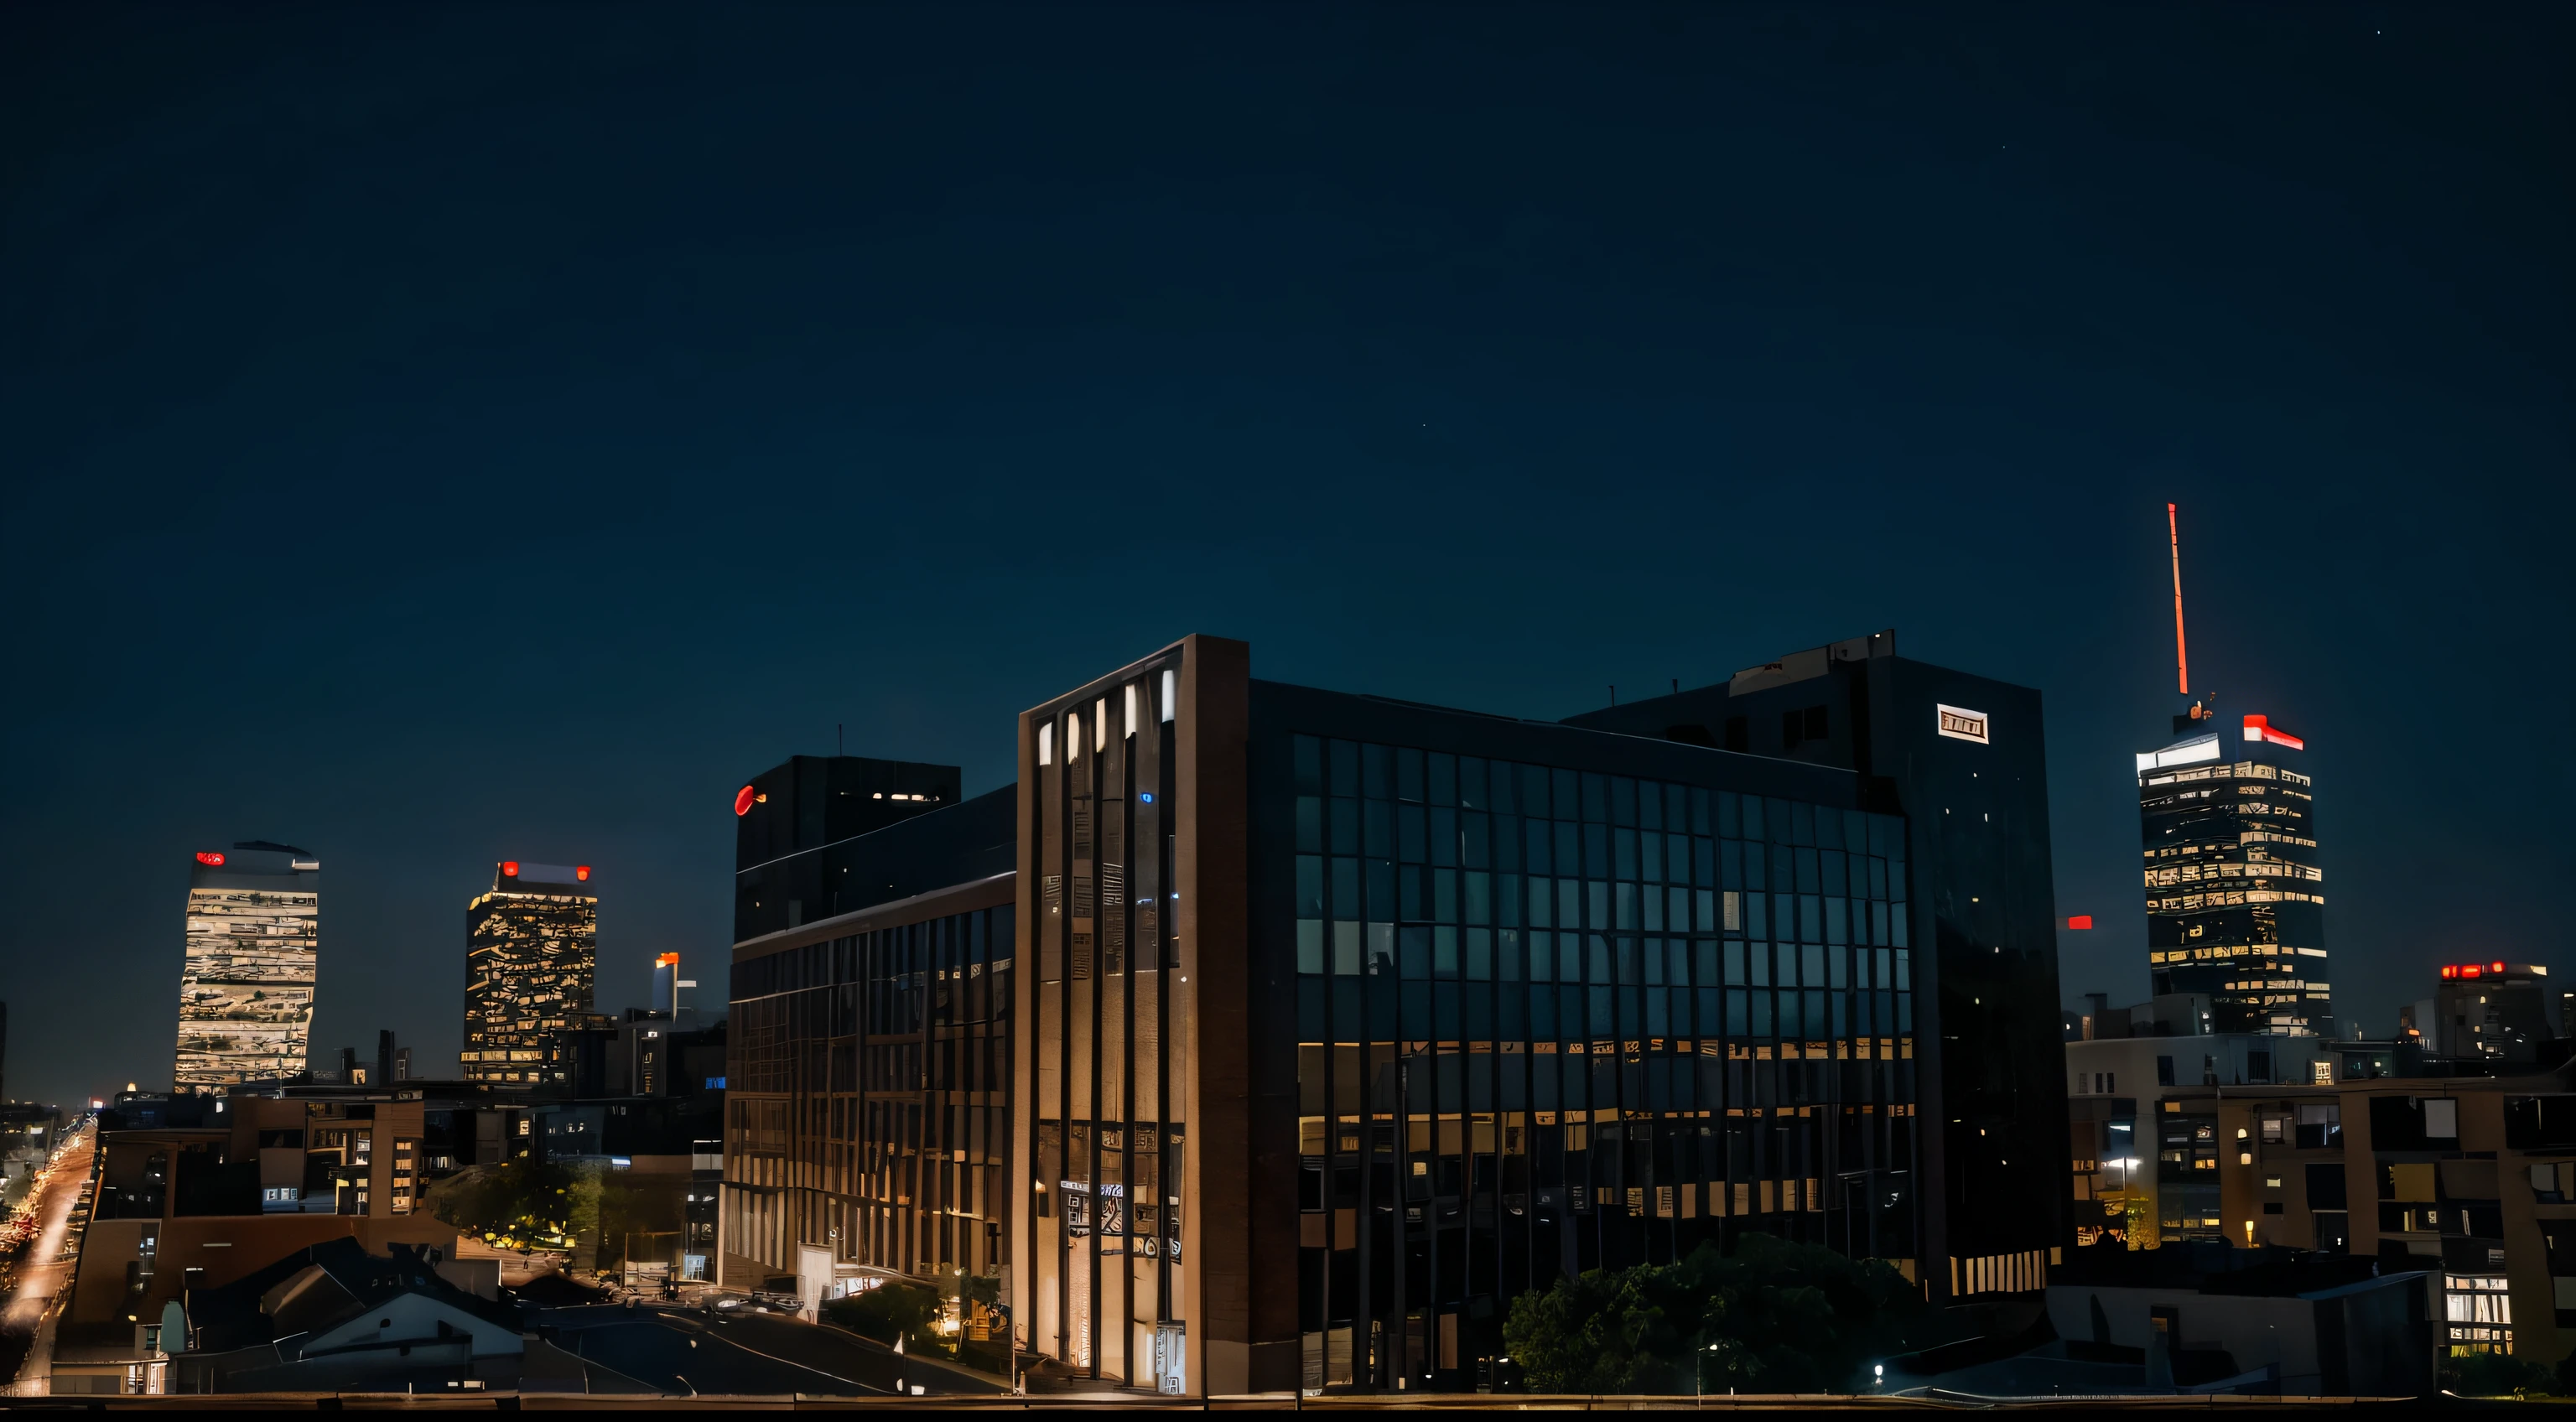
x,y
2234,895
2496,1010
246,988
531,957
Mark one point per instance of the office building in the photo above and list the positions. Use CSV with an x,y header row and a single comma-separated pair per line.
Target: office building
x,y
2235,898
531,956
253,943
796,832
1346,1020
1962,760
866,1107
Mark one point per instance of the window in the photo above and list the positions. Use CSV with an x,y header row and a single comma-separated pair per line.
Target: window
x,y
2164,1071
2479,1311
2442,1118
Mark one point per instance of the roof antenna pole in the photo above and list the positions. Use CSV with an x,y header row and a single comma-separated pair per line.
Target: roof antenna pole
x,y
2182,658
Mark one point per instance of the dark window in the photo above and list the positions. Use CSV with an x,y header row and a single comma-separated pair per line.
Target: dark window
x,y
1736,737
2164,1071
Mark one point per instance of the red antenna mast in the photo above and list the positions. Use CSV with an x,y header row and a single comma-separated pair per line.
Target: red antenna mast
x,y
2182,658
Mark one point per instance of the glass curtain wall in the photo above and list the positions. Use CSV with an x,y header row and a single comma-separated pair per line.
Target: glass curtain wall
x,y
2235,901
866,1104
1111,1217
1553,1020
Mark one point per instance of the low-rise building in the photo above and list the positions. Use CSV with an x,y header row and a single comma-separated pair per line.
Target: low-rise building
x,y
2469,1178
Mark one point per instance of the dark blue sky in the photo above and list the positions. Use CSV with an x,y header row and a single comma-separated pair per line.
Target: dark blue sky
x,y
431,435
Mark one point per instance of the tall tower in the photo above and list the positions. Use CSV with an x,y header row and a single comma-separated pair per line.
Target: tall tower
x,y
246,990
2234,894
531,956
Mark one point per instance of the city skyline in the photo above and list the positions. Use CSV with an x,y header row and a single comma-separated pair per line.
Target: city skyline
x,y
705,463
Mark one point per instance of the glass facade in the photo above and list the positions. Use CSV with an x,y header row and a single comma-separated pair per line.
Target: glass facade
x,y
246,990
1112,1210
1552,1020
2234,895
531,956
867,1102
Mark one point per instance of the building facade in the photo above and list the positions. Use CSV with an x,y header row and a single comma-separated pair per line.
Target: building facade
x,y
254,937
1344,1021
531,958
867,1108
2234,894
2497,1011
2472,1179
797,826
1963,760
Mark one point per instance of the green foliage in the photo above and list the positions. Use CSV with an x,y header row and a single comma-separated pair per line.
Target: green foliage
x,y
1771,1317
2497,1375
519,1201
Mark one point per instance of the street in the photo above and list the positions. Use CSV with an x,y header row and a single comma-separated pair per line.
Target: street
x,y
686,1352
36,1276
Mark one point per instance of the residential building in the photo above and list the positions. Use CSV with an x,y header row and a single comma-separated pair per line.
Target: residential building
x,y
2234,892
866,1097
216,1187
1343,1021
531,956
254,929
1962,760
2471,1178
796,832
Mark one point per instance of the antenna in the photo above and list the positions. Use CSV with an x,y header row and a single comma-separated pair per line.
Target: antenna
x,y
2182,659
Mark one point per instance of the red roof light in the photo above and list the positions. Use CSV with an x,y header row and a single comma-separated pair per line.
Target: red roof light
x,y
582,872
2450,972
742,801
210,859
2495,967
2080,921
2469,970
510,868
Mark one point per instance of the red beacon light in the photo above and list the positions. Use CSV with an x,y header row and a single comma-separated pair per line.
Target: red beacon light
x,y
2495,967
2471,970
742,799
210,859
581,872
510,868
2450,972
2080,922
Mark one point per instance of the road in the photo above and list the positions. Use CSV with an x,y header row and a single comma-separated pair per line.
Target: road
x,y
38,1275
686,1352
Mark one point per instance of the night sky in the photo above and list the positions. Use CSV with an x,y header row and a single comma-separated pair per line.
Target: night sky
x,y
434,435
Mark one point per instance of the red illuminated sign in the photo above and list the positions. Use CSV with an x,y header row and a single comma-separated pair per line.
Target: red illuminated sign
x,y
582,872
2259,728
742,801
510,868
210,859
2080,921
2470,970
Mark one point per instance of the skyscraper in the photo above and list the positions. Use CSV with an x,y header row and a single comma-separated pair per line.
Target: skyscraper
x,y
246,990
2234,908
531,955
2235,903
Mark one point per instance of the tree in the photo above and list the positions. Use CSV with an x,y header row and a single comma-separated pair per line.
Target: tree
x,y
1770,1317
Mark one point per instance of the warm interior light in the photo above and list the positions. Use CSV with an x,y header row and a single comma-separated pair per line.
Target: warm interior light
x,y
742,799
510,868
210,858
